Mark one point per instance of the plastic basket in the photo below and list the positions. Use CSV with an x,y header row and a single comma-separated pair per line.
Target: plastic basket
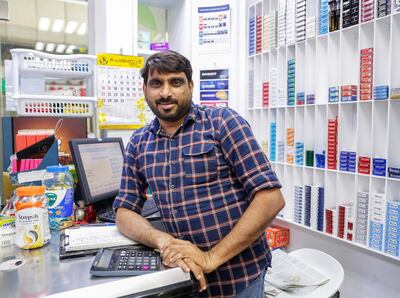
x,y
55,107
67,65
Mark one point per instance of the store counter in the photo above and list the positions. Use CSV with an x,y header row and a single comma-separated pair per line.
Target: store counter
x,y
44,274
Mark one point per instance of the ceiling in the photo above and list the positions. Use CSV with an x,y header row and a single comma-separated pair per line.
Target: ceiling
x,y
25,16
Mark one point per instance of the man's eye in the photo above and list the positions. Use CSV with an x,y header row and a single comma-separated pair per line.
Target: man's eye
x,y
177,83
155,84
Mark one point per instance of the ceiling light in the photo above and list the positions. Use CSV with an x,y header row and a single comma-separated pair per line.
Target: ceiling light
x,y
44,24
50,47
58,25
71,27
70,49
39,46
82,29
60,48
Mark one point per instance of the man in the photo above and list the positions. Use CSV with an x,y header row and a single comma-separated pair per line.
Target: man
x,y
214,187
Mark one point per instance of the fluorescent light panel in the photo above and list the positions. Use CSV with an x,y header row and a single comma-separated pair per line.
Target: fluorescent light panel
x,y
82,29
50,47
39,46
71,27
58,25
44,24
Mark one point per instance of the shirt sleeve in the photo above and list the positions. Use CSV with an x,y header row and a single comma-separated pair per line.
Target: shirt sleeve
x,y
132,191
245,155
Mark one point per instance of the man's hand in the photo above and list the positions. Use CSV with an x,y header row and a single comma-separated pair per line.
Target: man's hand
x,y
177,249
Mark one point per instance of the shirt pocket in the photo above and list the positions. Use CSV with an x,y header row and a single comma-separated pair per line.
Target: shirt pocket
x,y
199,163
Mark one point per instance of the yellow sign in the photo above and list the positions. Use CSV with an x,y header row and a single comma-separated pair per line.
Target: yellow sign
x,y
120,60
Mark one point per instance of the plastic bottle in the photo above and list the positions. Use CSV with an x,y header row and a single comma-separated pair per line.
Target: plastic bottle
x,y
31,217
60,193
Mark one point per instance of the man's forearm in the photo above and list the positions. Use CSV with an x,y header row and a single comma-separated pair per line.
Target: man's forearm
x,y
262,210
136,227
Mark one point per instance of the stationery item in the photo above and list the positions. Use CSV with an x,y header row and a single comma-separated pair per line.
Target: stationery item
x,y
332,143
298,204
291,83
272,143
392,234
364,165
127,261
362,217
331,221
324,15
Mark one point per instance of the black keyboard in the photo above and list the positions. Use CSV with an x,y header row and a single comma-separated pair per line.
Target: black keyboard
x,y
149,208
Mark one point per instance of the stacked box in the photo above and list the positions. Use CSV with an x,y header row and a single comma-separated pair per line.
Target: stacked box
x,y
290,145
290,22
383,8
362,218
317,209
252,36
367,10
392,234
301,20
291,82
348,93
258,95
273,76
282,97
364,165
310,99
281,151
381,92
299,153
377,218
379,167
350,13
347,161
310,158
395,93
277,236
300,98
272,141
320,160
298,204
323,17
272,28
282,23
334,15
345,216
251,88
265,34
366,70
265,94
349,232
397,5
333,94
394,172
332,143
307,205
331,221
310,27
259,20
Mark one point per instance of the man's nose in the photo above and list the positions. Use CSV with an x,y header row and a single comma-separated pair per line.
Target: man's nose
x,y
166,91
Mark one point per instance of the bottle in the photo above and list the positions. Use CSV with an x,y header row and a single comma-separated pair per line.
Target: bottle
x,y
59,185
31,217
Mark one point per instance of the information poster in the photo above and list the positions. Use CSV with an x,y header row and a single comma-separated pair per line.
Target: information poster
x,y
214,28
121,104
214,87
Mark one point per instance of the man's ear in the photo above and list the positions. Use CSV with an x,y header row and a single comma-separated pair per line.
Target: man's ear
x,y
191,85
144,87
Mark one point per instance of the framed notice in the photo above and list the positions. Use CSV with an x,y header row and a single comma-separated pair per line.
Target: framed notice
x,y
121,103
214,28
214,87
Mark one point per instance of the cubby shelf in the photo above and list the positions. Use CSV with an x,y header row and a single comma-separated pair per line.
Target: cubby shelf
x,y
296,114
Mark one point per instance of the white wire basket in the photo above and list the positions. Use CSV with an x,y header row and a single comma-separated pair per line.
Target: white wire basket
x,y
37,66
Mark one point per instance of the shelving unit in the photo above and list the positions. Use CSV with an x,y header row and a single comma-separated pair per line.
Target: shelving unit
x,y
344,61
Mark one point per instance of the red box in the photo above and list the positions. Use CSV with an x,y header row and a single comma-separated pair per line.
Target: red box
x,y
277,236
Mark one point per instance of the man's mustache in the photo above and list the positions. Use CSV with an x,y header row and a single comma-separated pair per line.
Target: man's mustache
x,y
166,101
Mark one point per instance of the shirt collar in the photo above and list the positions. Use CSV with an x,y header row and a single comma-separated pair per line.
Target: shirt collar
x,y
155,126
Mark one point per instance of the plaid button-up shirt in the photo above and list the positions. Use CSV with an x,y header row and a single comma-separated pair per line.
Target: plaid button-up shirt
x,y
202,178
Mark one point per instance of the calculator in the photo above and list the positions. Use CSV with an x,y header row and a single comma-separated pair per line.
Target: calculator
x,y
126,261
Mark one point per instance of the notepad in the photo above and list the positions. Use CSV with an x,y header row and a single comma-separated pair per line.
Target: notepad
x,y
94,237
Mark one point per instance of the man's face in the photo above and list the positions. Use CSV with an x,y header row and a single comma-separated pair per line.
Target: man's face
x,y
169,95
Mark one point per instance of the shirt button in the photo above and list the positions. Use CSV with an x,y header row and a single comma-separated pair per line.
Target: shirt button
x,y
173,211
172,186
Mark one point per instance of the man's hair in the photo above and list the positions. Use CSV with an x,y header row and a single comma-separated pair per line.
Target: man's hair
x,y
167,62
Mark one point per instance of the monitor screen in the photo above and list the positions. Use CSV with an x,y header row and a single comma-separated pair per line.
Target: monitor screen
x,y
98,164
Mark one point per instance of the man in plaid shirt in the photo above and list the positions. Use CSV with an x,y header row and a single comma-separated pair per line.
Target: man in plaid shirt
x,y
212,183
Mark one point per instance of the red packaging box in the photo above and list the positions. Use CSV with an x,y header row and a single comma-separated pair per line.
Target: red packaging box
x,y
277,236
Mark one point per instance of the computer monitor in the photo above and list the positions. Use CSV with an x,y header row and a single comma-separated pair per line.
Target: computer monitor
x,y
98,164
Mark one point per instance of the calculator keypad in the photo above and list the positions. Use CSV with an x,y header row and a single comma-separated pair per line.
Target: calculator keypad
x,y
138,260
